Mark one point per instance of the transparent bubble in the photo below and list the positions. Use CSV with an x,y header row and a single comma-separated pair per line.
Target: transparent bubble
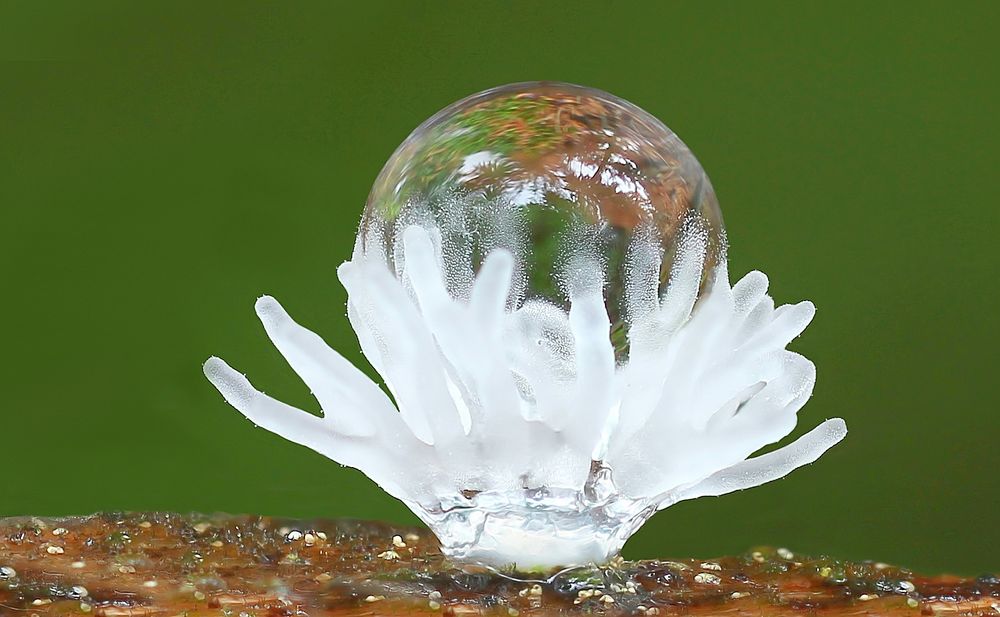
x,y
554,173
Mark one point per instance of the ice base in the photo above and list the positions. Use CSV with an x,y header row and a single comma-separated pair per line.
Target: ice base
x,y
538,528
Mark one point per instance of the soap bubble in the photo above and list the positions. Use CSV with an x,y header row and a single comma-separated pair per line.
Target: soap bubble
x,y
555,173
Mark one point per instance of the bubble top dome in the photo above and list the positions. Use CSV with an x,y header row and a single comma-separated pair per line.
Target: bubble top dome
x,y
552,173
540,282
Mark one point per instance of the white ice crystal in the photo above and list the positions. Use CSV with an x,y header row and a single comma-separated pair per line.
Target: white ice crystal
x,y
511,430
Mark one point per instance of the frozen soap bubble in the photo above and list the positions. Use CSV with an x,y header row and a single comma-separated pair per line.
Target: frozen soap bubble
x,y
555,173
540,283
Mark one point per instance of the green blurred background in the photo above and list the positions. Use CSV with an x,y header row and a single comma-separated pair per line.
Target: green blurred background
x,y
163,164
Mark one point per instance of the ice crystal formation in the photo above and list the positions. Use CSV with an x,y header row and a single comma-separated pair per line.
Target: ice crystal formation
x,y
540,281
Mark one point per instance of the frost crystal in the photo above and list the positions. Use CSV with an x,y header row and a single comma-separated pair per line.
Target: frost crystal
x,y
517,438
546,399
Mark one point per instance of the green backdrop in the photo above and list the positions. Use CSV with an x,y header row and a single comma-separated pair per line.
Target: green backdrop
x,y
163,164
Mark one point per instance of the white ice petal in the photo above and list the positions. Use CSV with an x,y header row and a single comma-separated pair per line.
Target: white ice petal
x,y
749,291
595,366
424,271
757,318
289,422
306,429
770,466
783,395
787,322
541,353
472,352
349,398
685,280
360,313
642,275
490,290
413,369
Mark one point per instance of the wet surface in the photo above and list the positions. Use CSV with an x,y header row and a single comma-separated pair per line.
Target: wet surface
x,y
151,564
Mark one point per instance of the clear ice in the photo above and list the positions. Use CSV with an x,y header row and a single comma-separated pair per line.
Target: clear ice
x,y
540,281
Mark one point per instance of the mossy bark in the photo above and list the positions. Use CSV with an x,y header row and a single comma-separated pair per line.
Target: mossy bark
x,y
197,566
